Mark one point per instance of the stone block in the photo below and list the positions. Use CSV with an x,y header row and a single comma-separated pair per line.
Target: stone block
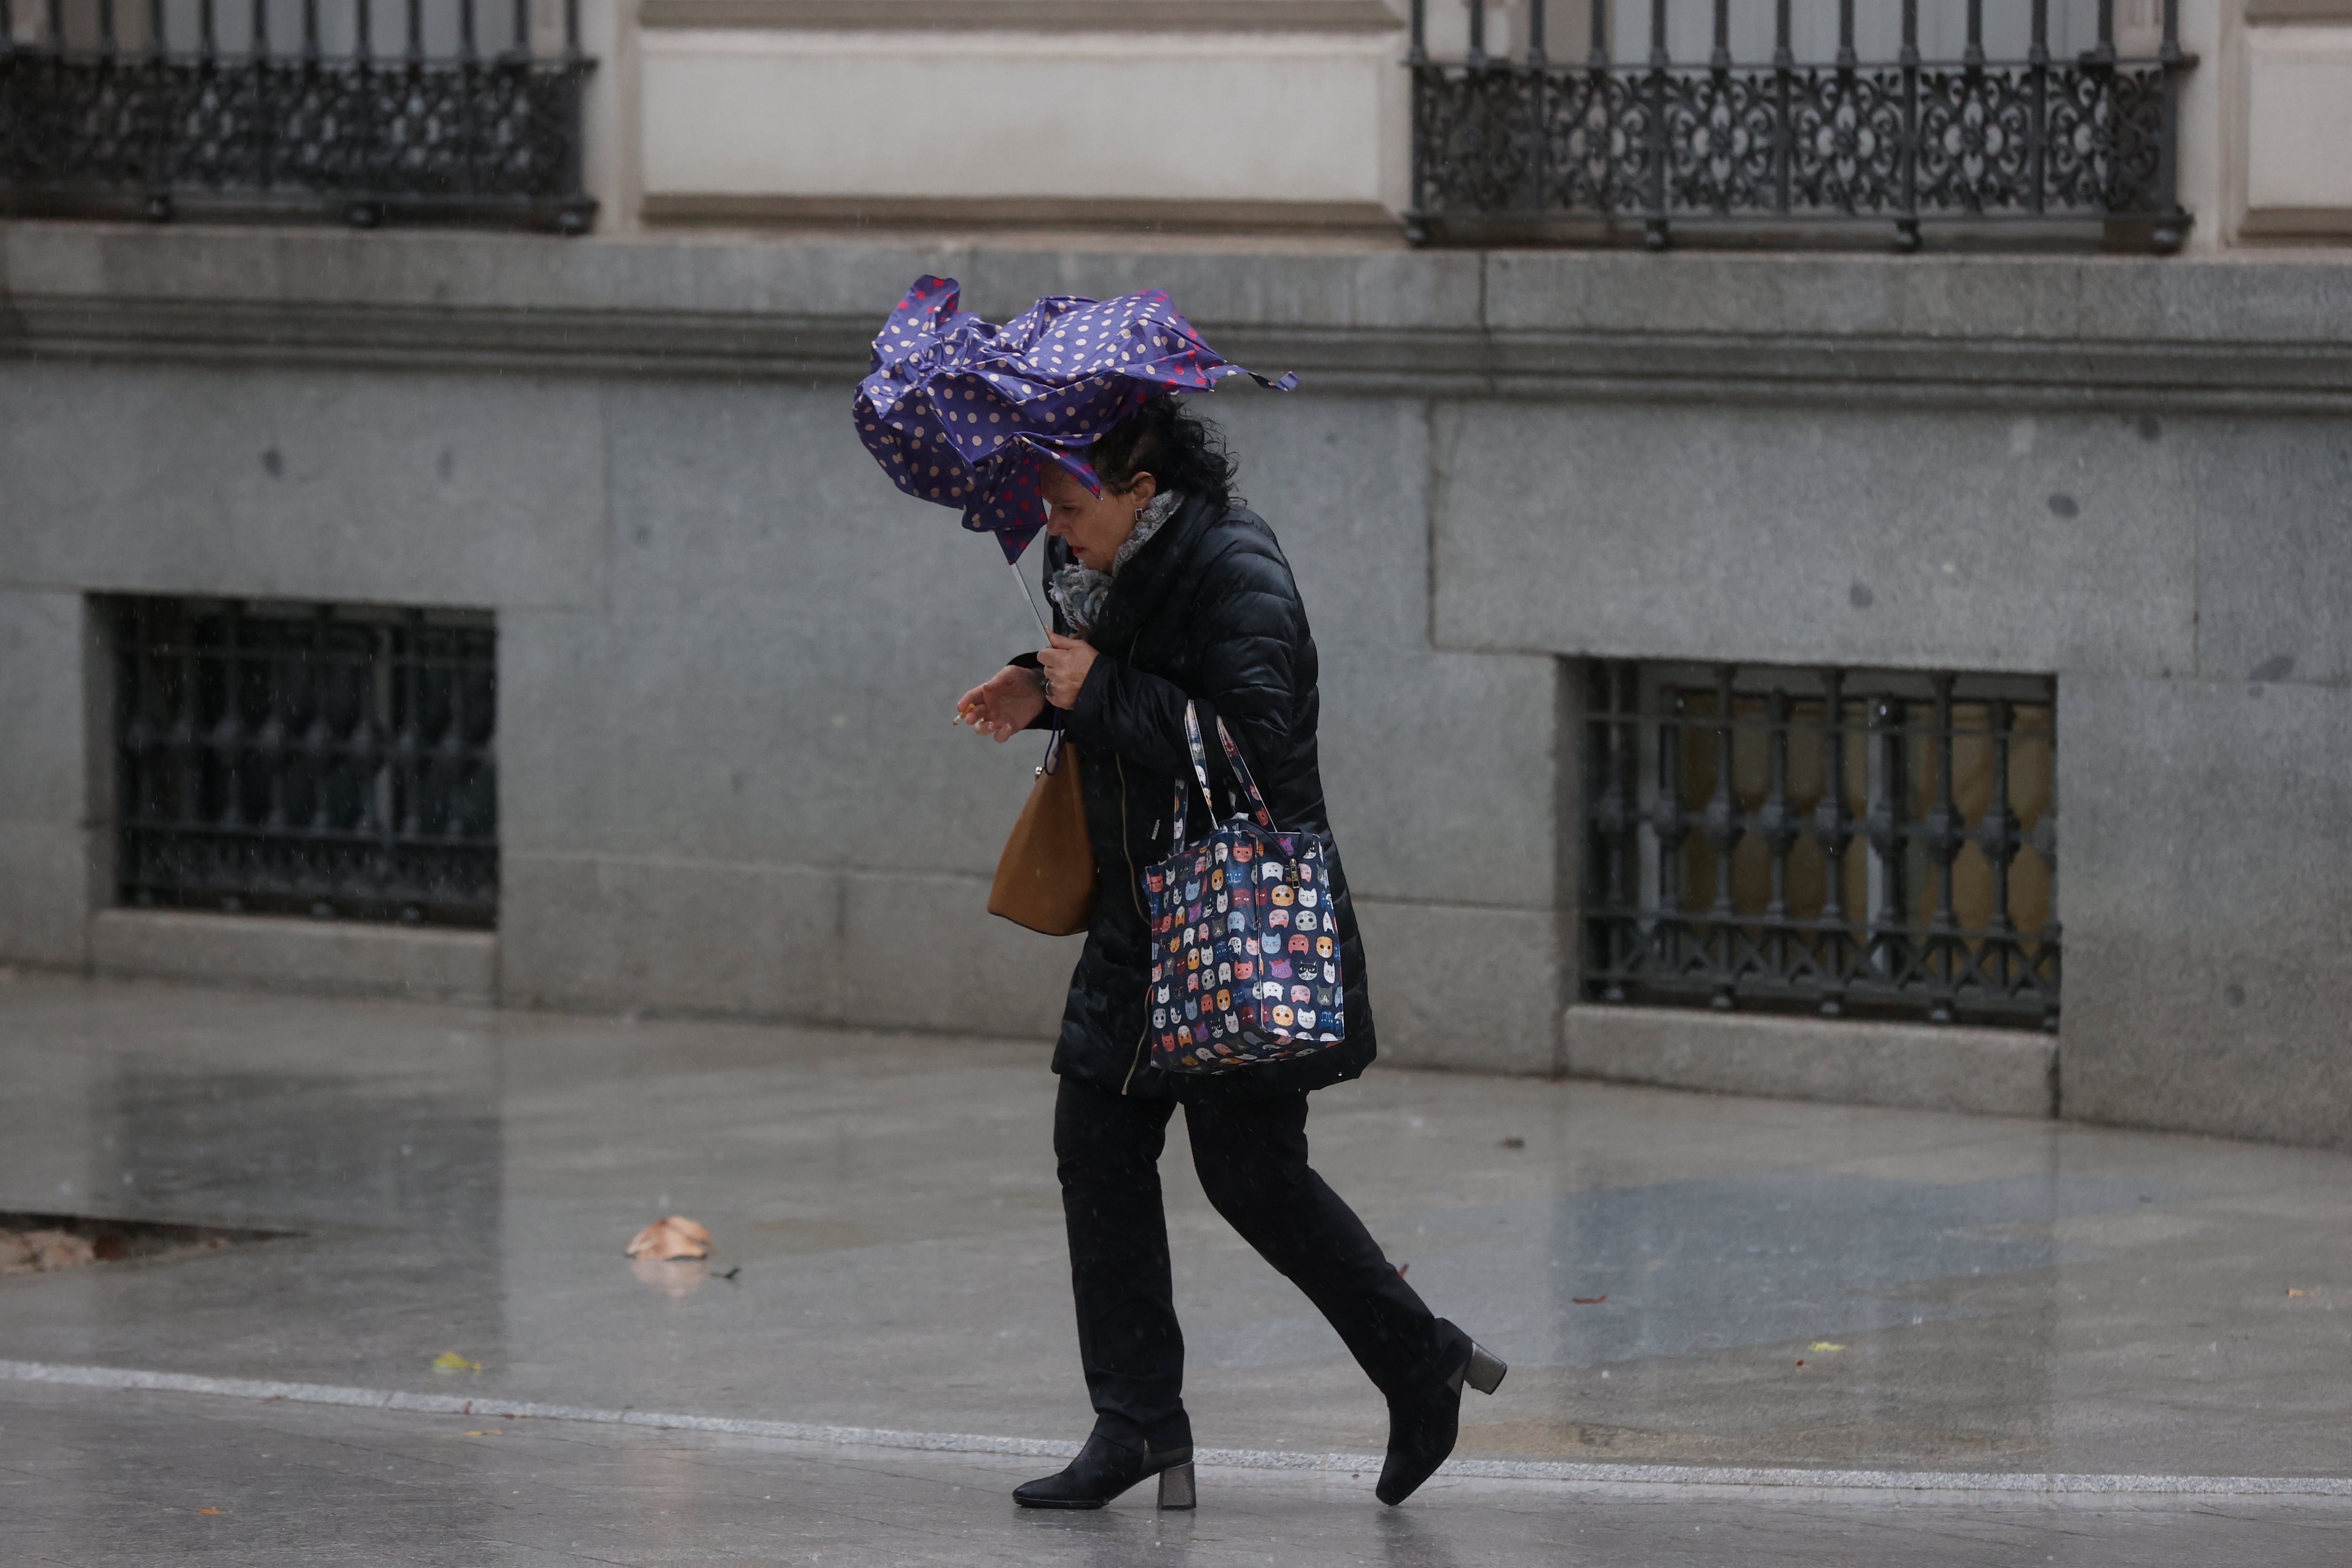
x,y
923,953
342,484
587,931
1443,775
44,650
1918,1066
1973,540
1474,989
2207,917
45,893
2274,557
345,956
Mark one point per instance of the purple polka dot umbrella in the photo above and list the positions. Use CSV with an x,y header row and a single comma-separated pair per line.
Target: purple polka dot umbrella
x,y
968,413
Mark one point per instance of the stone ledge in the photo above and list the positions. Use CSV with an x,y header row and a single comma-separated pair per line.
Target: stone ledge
x,y
296,954
1915,1066
2263,332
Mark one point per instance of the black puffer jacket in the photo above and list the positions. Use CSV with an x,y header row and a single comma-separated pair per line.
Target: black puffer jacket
x,y
1207,611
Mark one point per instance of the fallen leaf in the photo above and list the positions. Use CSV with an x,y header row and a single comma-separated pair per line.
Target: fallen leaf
x,y
212,1510
732,1272
1588,1300
1801,1363
450,1360
670,1238
676,1277
1514,1142
485,1434
2292,1291
1825,1345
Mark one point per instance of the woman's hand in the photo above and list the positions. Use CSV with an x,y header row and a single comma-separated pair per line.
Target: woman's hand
x,y
1067,663
1004,703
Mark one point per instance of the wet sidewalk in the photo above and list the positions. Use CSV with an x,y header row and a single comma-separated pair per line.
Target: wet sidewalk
x,y
1677,1279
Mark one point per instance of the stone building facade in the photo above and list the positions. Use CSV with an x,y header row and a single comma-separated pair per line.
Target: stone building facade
x,y
1540,501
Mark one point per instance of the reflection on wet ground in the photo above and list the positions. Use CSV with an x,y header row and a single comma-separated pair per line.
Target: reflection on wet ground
x,y
1674,1277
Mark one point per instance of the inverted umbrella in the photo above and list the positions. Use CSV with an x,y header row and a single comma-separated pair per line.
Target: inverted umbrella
x,y
968,413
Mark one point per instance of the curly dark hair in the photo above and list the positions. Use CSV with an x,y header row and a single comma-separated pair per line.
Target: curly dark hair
x,y
1163,438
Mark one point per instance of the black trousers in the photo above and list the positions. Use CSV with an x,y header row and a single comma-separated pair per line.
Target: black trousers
x,y
1252,1159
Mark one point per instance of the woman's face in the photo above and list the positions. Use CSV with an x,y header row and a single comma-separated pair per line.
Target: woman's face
x,y
1094,525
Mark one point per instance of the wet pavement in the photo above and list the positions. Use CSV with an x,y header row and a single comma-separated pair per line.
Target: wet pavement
x,y
1675,1279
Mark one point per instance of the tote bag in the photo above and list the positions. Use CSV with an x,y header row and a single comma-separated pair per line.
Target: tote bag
x,y
1245,952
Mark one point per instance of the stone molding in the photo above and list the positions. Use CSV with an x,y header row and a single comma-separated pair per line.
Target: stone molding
x,y
933,214
2291,11
1026,16
2024,331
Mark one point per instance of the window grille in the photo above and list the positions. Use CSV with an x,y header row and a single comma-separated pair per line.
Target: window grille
x,y
1671,112
1842,841
327,759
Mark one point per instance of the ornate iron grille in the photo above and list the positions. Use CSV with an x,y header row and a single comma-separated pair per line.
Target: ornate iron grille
x,y
322,759
1842,841
163,109
1510,149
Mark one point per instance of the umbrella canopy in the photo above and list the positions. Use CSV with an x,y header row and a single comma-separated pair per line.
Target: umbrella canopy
x,y
968,413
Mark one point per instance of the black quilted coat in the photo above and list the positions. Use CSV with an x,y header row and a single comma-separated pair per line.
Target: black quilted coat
x,y
1205,610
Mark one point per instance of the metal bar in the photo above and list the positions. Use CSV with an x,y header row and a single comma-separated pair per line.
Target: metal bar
x,y
1974,56
1719,57
56,24
1417,35
106,44
1668,828
1906,228
260,47
1724,831
1944,953
1784,86
1597,56
1655,231
1536,36
2037,124
572,29
1478,56
2103,53
1996,839
1846,59
522,28
1780,827
363,30
311,30
416,50
207,36
466,33
1831,827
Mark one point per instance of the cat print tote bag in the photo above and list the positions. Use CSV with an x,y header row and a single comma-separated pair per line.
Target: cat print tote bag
x,y
1245,955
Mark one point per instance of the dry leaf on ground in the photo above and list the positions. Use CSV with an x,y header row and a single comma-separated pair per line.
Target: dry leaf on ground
x,y
670,1239
1587,1300
31,1251
450,1360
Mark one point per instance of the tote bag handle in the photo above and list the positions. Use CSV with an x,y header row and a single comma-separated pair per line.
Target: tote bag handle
x,y
1201,771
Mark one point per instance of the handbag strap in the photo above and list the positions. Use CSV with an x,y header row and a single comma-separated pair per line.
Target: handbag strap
x,y
1201,771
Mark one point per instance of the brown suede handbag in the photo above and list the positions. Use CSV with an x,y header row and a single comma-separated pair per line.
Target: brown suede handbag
x,y
1046,878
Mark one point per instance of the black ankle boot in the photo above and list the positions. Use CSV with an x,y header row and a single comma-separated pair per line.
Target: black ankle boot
x,y
1107,1467
1423,1423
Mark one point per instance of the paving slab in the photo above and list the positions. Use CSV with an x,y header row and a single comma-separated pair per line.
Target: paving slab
x,y
1677,1278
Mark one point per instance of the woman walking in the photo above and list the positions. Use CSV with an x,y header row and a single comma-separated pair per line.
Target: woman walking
x,y
1167,592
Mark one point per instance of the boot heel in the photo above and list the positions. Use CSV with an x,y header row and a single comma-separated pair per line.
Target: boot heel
x,y
1176,1487
1485,1370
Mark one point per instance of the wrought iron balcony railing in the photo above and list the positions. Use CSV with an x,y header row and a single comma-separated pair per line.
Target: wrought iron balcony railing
x,y
268,107
1525,149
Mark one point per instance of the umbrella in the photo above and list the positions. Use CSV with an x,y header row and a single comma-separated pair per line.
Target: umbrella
x,y
962,412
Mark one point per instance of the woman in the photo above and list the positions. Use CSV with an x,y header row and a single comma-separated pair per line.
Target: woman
x,y
1167,589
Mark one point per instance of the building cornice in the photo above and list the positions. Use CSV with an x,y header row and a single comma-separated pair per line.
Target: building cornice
x,y
2134,334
